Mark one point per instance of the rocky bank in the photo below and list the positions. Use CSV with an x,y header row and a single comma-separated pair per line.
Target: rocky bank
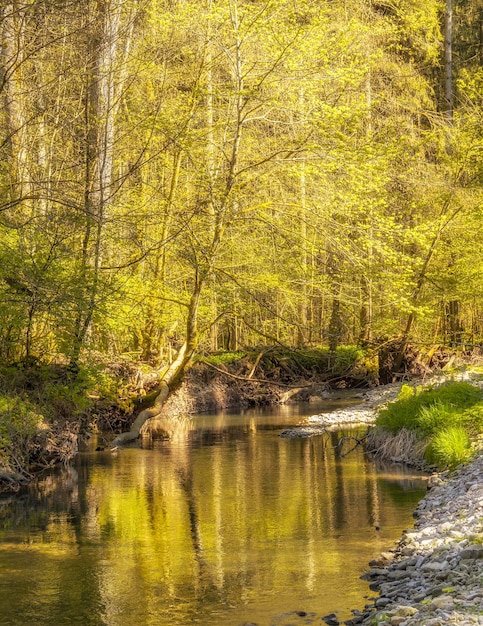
x,y
359,414
435,574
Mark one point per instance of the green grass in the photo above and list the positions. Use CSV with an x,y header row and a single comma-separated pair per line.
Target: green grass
x,y
447,417
449,447
428,409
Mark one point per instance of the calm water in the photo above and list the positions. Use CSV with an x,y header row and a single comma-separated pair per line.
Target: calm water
x,y
224,523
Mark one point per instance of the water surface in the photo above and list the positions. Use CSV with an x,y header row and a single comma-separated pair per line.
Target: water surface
x,y
224,523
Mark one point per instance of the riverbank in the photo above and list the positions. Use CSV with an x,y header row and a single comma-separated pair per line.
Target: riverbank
x,y
362,414
435,574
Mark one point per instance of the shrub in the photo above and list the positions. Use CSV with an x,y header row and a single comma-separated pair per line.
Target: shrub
x,y
20,423
449,447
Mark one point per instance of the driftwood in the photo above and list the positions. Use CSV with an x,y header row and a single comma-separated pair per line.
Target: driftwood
x,y
359,441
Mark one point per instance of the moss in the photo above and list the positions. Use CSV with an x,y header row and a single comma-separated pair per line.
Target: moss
x,y
223,358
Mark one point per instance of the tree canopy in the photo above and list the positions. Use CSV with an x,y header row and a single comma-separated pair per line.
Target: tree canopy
x,y
230,173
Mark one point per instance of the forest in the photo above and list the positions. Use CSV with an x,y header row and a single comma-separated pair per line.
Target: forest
x,y
185,177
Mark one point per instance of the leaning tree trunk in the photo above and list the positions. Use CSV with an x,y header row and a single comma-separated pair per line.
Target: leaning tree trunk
x,y
203,271
173,376
169,381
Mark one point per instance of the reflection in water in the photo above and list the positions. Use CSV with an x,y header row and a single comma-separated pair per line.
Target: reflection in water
x,y
224,523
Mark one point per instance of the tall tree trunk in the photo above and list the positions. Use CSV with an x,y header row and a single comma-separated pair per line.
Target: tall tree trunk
x,y
448,60
366,307
13,20
102,104
304,265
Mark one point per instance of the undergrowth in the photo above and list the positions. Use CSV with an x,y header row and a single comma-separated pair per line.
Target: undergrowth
x,y
444,419
350,361
43,408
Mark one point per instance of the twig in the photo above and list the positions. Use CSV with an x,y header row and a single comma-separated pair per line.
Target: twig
x,y
359,441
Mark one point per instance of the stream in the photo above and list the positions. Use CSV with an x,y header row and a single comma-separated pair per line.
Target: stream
x,y
224,523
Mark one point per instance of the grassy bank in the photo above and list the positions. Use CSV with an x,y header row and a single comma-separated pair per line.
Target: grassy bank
x,y
438,425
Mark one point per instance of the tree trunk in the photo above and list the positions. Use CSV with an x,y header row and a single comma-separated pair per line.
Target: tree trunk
x,y
448,60
173,376
102,104
13,20
454,323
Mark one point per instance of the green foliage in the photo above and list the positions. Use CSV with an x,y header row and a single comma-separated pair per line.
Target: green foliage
x,y
20,423
435,416
428,409
472,419
322,360
224,358
326,186
449,447
444,416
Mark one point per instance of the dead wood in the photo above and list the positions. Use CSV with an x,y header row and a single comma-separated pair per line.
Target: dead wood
x,y
263,381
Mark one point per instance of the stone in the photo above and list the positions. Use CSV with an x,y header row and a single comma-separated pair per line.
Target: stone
x,y
405,611
472,552
445,603
434,566
398,574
